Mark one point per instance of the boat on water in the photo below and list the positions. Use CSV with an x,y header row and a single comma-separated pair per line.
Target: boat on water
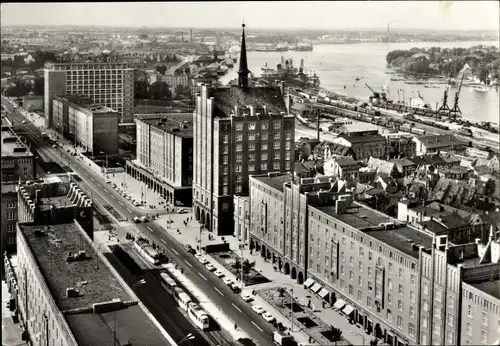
x,y
480,89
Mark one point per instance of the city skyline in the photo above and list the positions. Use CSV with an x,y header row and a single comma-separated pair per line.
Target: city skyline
x,y
436,15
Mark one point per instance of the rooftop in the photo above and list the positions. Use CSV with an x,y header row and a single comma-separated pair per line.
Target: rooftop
x,y
362,218
437,141
227,98
95,282
275,182
12,145
363,139
489,287
358,127
181,124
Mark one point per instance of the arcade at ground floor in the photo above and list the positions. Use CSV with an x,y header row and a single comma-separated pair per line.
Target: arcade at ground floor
x,y
329,295
179,196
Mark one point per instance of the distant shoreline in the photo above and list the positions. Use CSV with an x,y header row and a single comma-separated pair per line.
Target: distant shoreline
x,y
320,43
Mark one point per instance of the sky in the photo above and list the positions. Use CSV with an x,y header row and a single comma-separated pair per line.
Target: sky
x,y
335,15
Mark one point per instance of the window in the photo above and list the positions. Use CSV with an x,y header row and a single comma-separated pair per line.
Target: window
x,y
389,315
239,126
251,157
401,272
370,287
288,135
389,283
368,302
389,298
276,155
425,322
225,149
276,165
439,295
276,135
251,168
238,188
425,305
436,328
411,329
360,281
483,336
423,339
369,272
263,146
391,269
239,178
351,260
469,311
451,303
251,146
11,240
451,319
239,147
400,305
264,125
276,124
276,145
360,296
239,157
370,255
426,288
412,296
11,215
263,166
351,290
239,168
360,266
11,205
239,137
251,136
401,289
361,252
412,279
226,139
469,329
11,227
484,318
400,322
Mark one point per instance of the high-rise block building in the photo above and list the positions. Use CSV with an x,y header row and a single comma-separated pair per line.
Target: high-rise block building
x,y
238,131
108,84
18,164
164,159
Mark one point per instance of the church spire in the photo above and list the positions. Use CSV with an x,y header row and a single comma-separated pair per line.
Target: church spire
x,y
243,70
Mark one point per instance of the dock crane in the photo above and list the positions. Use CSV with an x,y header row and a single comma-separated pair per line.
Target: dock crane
x,y
455,111
379,96
444,107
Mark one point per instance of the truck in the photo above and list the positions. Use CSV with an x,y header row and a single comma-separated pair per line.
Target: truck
x,y
283,339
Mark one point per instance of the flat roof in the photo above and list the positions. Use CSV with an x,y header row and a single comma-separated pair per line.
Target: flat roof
x,y
275,182
362,218
12,145
95,282
489,287
9,188
181,121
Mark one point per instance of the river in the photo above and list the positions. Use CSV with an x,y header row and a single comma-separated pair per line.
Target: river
x,y
338,65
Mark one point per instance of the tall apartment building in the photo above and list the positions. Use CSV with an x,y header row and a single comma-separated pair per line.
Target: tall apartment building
x,y
238,131
108,84
399,283
18,164
164,159
91,126
67,293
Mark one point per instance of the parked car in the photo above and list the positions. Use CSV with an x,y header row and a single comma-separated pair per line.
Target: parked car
x,y
183,211
268,317
23,122
137,204
144,219
203,260
137,220
258,309
247,297
198,255
227,281
210,267
236,288
218,273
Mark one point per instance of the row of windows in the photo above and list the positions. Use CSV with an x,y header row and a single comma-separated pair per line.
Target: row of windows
x,y
481,302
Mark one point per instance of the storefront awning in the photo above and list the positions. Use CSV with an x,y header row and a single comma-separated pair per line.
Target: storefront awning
x,y
339,304
323,293
316,287
309,282
348,310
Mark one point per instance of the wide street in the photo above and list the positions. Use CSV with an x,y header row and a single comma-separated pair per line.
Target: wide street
x,y
220,294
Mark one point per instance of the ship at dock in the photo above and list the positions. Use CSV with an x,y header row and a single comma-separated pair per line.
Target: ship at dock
x,y
293,76
303,47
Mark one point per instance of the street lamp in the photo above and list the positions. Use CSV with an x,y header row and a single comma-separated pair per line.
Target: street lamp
x,y
291,306
186,338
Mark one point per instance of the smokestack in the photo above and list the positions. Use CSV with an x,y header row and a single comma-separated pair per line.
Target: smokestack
x,y
191,35
182,37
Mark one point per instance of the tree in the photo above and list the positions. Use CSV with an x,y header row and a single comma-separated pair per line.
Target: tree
x,y
141,89
39,87
182,91
237,265
161,69
281,293
247,266
336,334
159,91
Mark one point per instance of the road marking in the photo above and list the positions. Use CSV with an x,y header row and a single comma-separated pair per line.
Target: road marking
x,y
189,264
257,326
237,308
113,197
129,210
150,229
99,185
120,203
92,179
163,241
85,173
219,291
175,251
202,276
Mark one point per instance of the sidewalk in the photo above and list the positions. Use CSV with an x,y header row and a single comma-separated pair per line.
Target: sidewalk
x,y
190,234
11,333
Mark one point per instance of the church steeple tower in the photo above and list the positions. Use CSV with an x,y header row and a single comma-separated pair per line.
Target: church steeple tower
x,y
243,70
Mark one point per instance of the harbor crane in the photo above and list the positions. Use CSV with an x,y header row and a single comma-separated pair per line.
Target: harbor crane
x,y
455,112
379,96
444,107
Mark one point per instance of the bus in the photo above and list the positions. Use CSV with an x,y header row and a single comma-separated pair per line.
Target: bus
x,y
181,297
167,283
198,316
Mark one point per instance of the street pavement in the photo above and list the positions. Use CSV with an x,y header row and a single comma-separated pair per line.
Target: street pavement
x,y
94,185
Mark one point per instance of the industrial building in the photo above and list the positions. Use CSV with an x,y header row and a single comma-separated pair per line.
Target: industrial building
x,y
108,84
164,159
404,284
238,131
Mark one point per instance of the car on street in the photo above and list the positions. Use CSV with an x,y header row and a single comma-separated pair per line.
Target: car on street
x,y
247,297
236,288
183,211
210,267
137,220
23,122
137,204
203,260
268,317
144,219
227,281
258,309
54,146
107,180
218,273
198,255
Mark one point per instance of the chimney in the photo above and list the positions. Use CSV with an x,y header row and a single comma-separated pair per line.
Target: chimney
x,y
282,87
38,197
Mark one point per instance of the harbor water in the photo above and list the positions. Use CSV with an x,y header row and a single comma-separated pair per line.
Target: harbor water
x,y
339,65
